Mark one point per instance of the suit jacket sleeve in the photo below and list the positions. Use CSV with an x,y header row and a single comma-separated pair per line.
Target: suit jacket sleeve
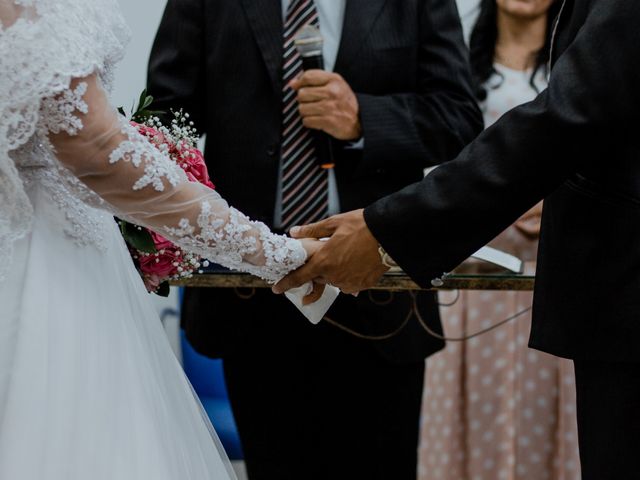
x,y
177,75
432,226
432,124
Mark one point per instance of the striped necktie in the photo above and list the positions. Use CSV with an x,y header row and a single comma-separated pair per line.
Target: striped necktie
x,y
305,184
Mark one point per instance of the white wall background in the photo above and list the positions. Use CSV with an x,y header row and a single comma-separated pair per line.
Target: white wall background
x,y
468,12
143,17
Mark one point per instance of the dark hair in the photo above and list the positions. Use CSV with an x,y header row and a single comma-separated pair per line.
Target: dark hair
x,y
483,46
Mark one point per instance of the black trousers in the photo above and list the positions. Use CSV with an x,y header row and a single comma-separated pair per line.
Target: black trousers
x,y
325,407
608,396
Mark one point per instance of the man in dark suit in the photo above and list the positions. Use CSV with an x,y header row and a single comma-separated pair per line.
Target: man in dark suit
x,y
317,402
577,146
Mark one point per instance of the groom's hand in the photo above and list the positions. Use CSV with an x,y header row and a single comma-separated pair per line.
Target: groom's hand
x,y
312,246
349,259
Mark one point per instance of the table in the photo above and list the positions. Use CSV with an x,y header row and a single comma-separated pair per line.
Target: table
x,y
392,281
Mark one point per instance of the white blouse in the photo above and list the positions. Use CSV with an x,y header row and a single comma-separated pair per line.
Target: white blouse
x,y
509,88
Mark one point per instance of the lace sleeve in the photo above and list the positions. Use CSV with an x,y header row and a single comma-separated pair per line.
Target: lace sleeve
x,y
143,185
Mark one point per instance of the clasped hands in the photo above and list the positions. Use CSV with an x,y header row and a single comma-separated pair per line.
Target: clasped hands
x,y
347,259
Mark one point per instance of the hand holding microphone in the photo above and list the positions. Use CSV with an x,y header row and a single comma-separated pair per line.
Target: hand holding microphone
x,y
326,100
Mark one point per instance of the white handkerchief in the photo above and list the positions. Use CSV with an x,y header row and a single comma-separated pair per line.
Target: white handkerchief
x,y
315,311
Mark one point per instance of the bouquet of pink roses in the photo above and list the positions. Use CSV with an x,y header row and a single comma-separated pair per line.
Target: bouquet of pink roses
x,y
157,259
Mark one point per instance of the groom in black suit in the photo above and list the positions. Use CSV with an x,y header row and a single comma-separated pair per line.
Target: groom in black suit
x,y
577,145
317,402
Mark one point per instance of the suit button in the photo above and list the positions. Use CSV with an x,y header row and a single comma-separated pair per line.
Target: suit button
x,y
271,151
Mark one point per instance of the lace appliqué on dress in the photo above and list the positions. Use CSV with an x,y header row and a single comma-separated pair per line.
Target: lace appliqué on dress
x,y
86,225
139,151
229,242
58,113
282,254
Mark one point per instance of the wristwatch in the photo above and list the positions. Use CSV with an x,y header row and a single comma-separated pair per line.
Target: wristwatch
x,y
386,260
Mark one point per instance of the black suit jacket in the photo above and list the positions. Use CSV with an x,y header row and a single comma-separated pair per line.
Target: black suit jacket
x,y
221,60
577,145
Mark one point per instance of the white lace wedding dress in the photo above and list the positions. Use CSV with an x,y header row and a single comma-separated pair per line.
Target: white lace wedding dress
x,y
89,387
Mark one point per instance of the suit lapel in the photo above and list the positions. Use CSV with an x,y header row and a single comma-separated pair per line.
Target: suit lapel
x,y
265,17
359,17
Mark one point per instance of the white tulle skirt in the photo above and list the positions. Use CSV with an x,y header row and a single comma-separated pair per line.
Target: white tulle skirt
x,y
89,386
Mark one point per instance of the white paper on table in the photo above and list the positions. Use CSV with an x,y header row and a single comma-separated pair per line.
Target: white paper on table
x,y
500,258
317,310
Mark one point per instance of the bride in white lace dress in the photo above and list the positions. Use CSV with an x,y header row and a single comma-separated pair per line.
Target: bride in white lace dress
x,y
89,387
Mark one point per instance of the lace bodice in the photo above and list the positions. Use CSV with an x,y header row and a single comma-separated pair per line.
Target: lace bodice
x,y
57,128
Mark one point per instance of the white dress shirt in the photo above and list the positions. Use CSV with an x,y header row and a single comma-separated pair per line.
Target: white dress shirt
x,y
331,18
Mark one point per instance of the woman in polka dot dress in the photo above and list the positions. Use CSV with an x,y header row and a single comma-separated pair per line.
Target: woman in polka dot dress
x,y
493,408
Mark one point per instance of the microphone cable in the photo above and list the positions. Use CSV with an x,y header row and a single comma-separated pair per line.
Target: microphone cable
x,y
414,310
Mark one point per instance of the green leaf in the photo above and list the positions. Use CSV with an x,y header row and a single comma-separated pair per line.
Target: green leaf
x,y
138,238
163,290
142,98
143,103
140,113
122,112
147,102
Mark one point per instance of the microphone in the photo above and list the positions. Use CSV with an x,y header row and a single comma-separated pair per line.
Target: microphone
x,y
309,43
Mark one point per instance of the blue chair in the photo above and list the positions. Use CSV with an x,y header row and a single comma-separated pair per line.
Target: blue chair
x,y
207,377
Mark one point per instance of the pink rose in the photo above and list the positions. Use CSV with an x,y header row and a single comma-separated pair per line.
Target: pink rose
x,y
162,263
192,162
160,242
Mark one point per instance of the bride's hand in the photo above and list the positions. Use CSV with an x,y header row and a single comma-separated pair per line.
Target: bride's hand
x,y
312,245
